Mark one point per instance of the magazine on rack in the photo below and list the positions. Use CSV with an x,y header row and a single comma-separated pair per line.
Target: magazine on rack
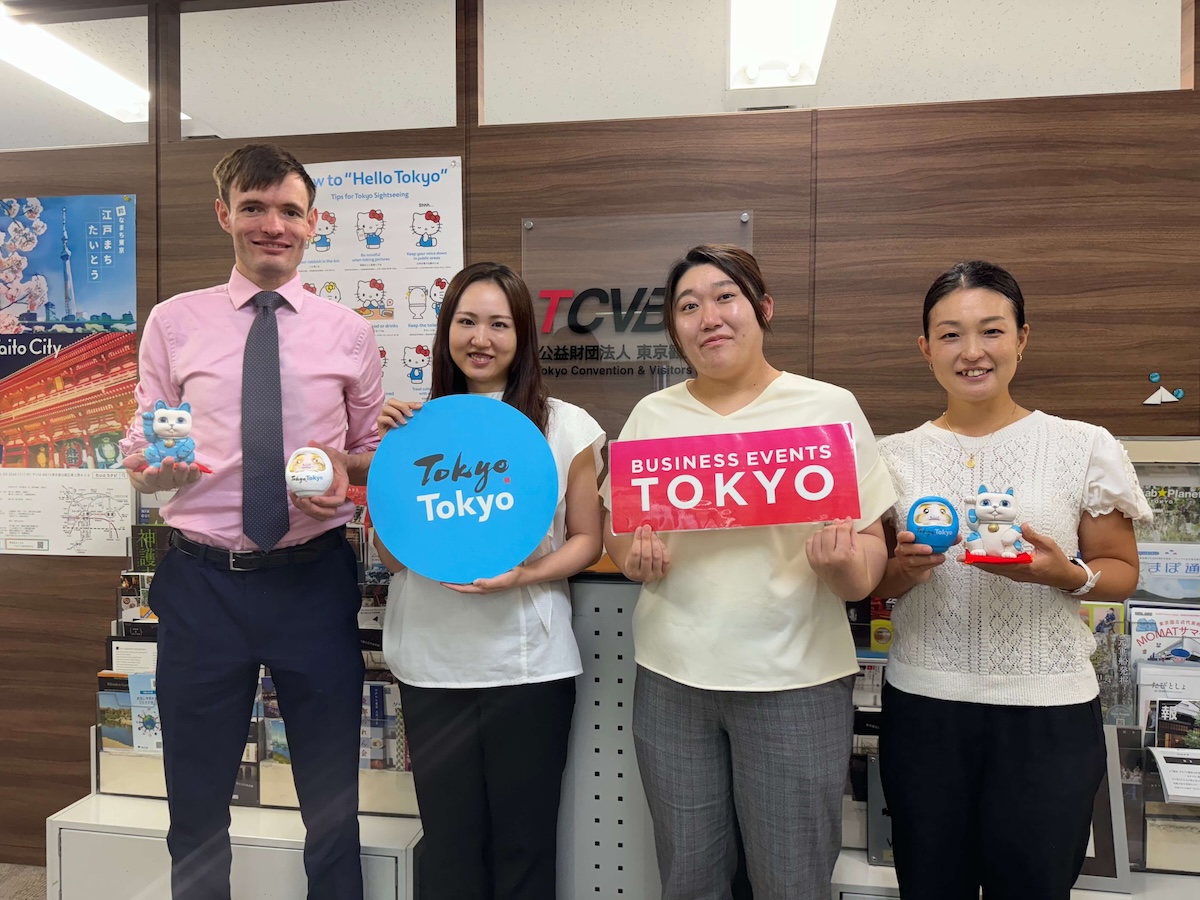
x,y
147,727
134,616
1169,548
1164,633
1179,769
1114,674
114,711
246,788
1173,737
148,545
1165,681
129,654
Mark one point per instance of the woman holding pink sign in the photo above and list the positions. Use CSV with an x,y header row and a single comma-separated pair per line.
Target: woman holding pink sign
x,y
992,746
487,670
742,707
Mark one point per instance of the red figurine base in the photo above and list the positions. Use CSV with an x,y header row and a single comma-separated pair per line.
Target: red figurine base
x,y
973,558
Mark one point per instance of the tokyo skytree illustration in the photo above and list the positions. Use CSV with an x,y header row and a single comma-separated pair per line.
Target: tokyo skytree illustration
x,y
68,284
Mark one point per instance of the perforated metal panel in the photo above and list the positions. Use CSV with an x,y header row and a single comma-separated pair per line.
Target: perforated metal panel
x,y
605,836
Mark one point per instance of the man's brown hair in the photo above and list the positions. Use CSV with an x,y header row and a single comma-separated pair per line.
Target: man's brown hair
x,y
258,166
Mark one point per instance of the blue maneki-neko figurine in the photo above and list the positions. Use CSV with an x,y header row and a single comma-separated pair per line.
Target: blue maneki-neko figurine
x,y
934,522
167,429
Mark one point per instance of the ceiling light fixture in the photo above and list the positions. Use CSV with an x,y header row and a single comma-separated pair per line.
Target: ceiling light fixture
x,y
777,43
58,64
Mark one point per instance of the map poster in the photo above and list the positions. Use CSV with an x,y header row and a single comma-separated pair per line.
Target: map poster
x,y
389,238
65,512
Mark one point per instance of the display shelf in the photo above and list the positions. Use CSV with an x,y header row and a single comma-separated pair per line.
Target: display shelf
x,y
112,848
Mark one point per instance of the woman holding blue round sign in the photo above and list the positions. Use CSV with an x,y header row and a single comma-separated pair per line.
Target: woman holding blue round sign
x,y
487,669
990,692
742,706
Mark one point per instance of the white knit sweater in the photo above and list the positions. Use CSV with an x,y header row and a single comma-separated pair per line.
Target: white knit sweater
x,y
970,636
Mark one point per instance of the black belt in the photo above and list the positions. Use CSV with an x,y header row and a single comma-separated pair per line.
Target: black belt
x,y
250,560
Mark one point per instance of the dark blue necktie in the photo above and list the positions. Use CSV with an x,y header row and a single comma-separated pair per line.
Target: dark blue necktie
x,y
264,491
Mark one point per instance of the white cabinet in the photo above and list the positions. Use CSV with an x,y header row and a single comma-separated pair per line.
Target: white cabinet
x,y
114,848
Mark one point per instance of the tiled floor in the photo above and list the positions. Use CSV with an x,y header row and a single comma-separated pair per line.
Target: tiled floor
x,y
22,882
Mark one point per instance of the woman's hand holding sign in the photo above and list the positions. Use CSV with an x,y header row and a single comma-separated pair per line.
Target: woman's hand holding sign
x,y
850,563
502,582
395,413
648,558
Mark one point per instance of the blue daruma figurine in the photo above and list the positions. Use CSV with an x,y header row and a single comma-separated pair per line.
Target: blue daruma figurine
x,y
934,521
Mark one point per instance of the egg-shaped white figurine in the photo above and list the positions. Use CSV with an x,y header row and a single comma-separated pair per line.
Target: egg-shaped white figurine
x,y
309,472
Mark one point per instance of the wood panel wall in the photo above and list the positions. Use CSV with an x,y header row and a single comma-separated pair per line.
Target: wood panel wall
x,y
55,613
1092,202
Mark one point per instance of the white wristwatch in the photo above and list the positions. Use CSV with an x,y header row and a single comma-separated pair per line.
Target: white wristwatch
x,y
1092,578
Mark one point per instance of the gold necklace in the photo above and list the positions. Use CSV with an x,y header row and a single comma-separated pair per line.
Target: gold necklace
x,y
971,454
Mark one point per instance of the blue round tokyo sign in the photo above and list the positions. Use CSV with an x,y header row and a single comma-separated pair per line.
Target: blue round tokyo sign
x,y
467,489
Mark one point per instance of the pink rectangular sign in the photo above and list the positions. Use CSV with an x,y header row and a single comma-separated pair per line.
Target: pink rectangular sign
x,y
735,480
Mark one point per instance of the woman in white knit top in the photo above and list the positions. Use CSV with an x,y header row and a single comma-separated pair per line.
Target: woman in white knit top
x,y
992,747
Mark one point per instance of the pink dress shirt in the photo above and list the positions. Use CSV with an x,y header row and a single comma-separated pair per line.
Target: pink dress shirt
x,y
191,351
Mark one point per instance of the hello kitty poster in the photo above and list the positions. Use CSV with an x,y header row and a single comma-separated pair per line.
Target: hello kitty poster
x,y
388,239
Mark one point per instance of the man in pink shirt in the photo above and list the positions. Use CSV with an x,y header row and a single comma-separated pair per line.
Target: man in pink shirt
x,y
226,602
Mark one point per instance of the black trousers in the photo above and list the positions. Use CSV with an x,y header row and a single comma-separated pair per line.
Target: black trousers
x,y
998,797
487,766
215,628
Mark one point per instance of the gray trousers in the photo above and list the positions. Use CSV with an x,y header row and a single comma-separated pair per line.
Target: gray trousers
x,y
779,758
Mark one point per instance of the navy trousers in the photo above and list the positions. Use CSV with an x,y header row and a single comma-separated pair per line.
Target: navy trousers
x,y
215,628
487,767
998,797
